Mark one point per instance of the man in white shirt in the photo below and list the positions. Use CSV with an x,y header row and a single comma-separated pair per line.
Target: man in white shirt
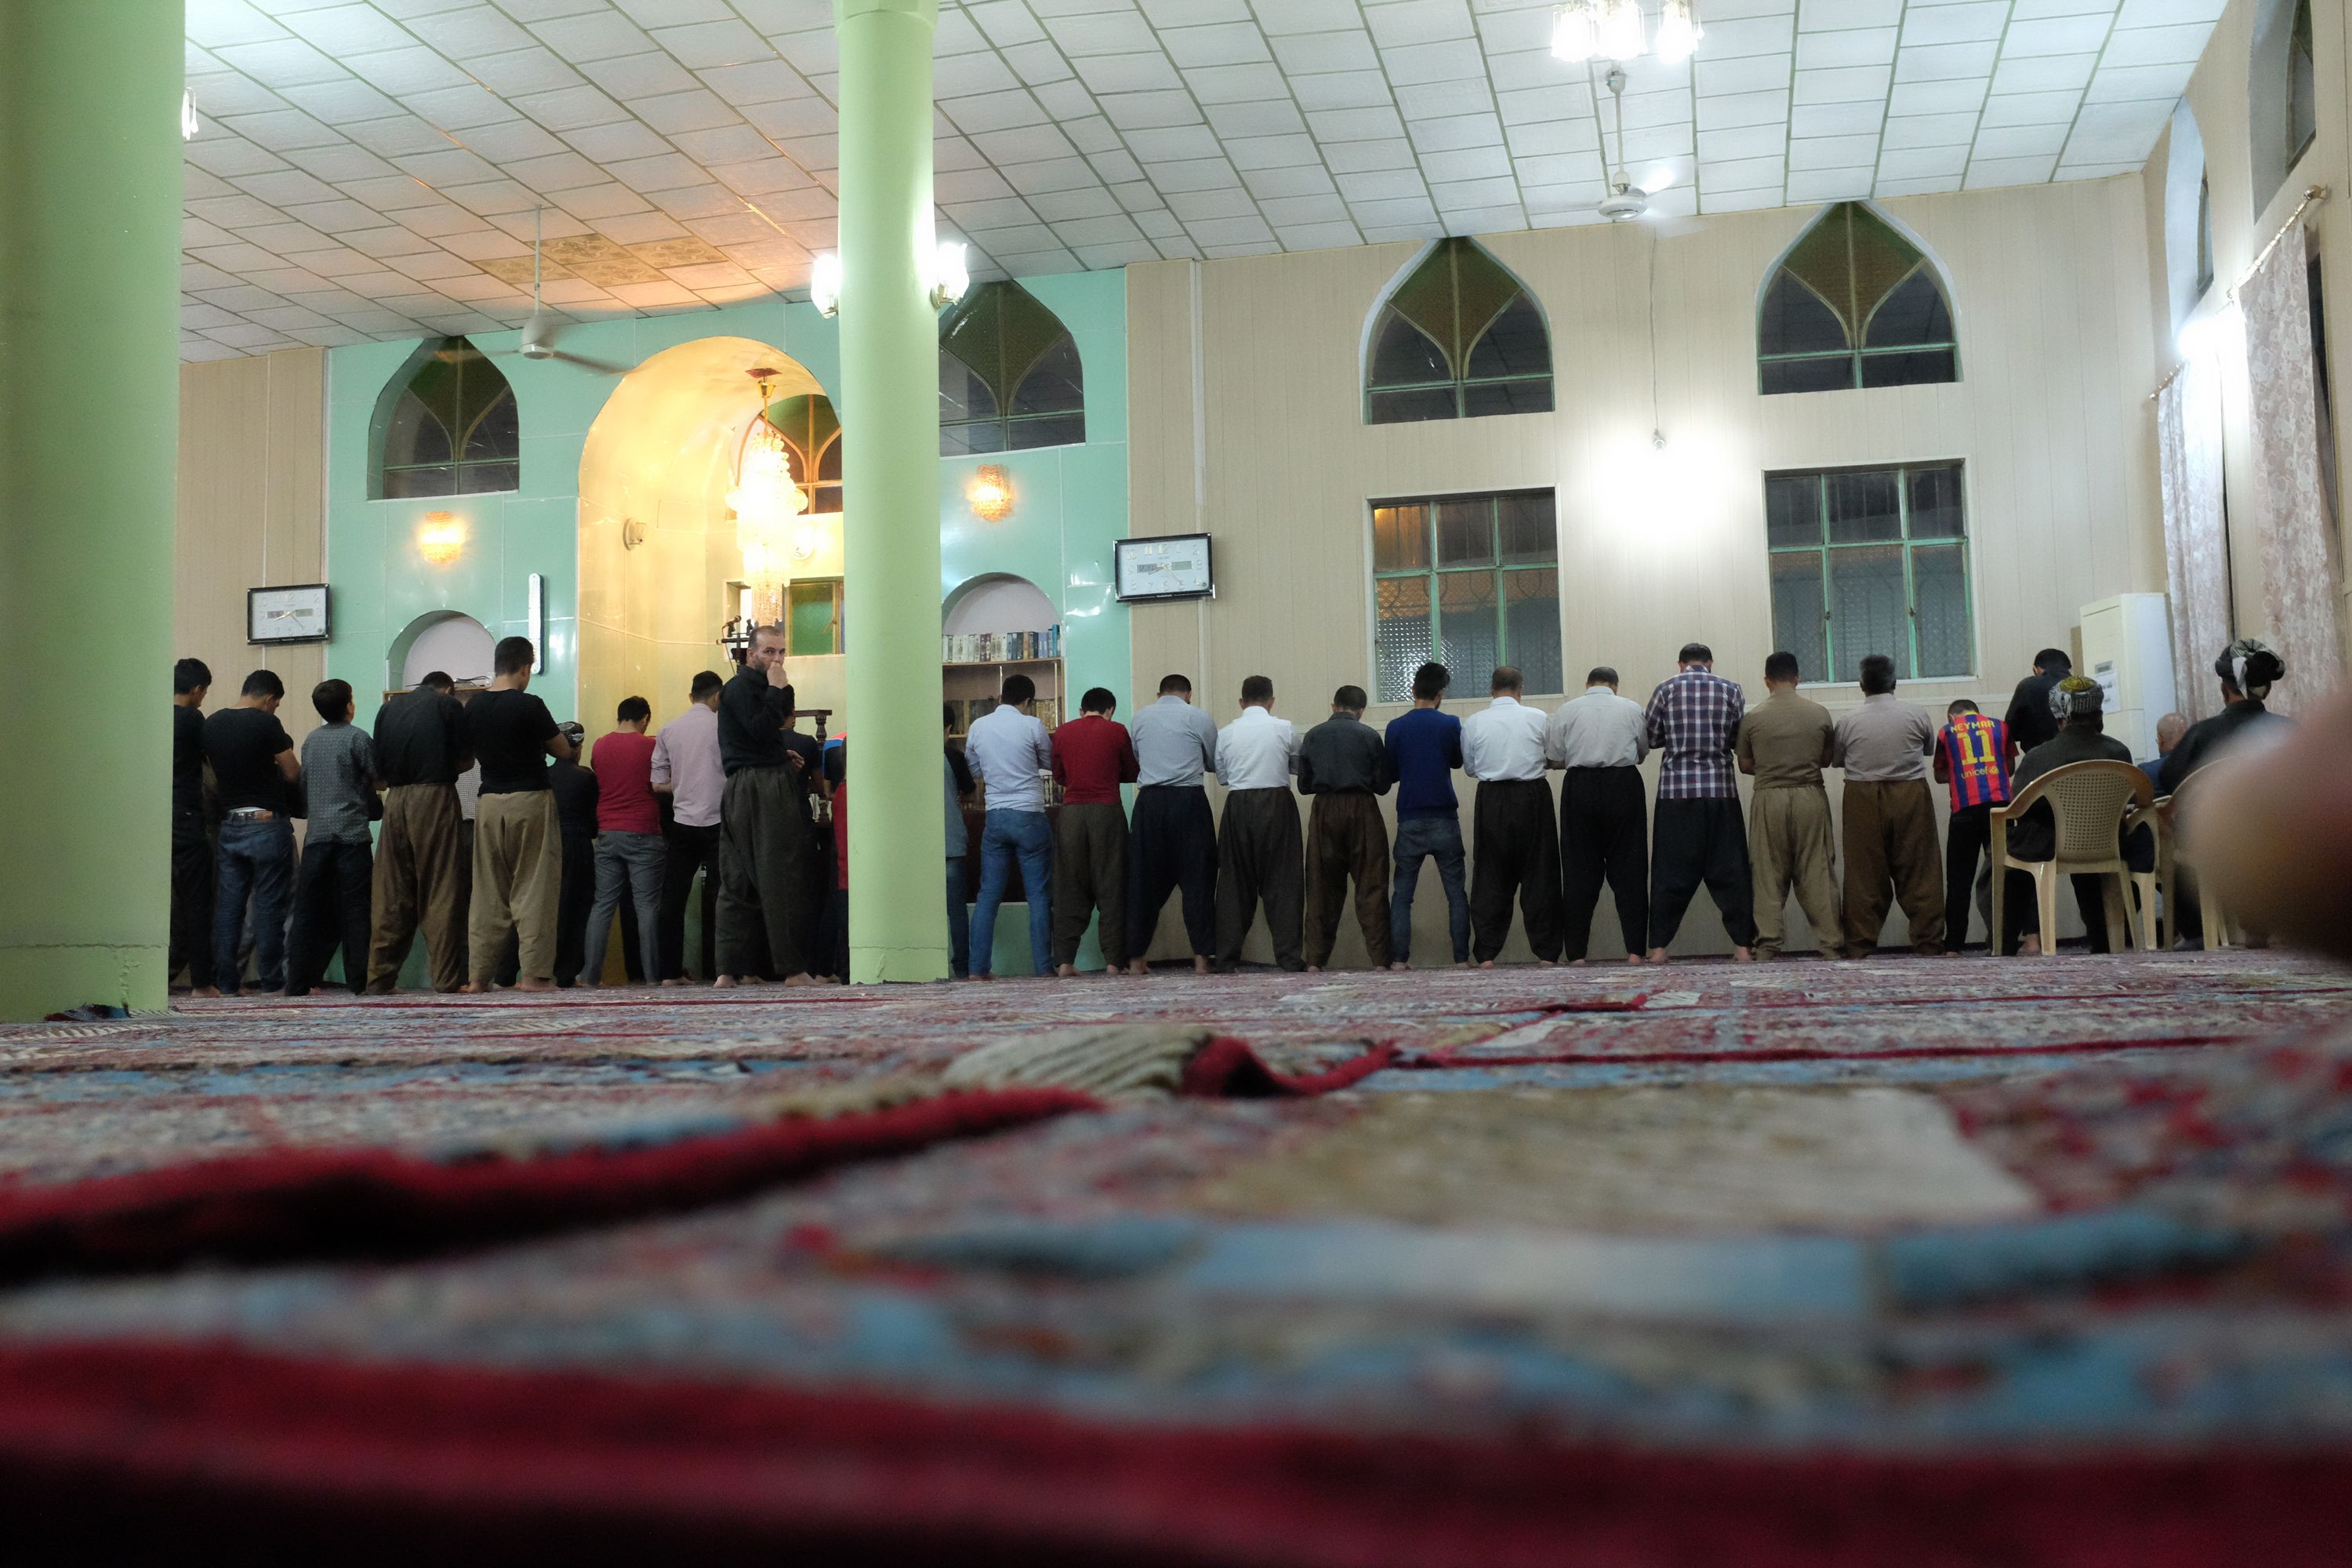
x,y
1012,757
1260,852
685,767
1600,739
1515,850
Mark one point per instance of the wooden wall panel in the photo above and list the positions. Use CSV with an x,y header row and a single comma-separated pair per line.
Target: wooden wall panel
x,y
251,515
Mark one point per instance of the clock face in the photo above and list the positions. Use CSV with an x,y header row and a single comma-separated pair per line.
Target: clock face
x,y
287,615
1164,568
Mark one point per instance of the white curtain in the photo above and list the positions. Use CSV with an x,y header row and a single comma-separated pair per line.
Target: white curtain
x,y
2299,548
2196,552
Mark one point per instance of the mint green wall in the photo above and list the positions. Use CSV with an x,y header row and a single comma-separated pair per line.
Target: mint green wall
x,y
1070,502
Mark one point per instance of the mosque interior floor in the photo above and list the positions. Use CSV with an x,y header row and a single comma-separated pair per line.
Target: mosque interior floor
x,y
1960,1261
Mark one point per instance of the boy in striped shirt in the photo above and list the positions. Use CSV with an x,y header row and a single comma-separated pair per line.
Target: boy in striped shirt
x,y
1973,755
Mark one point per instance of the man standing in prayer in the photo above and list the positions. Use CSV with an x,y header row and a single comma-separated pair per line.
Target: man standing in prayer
x,y
1973,756
1424,747
191,846
765,828
1012,757
685,767
253,761
576,798
1259,857
1694,719
1784,746
1600,739
2029,721
517,835
331,886
1516,848
1173,842
2077,705
1093,755
958,785
1890,816
1344,765
628,837
422,868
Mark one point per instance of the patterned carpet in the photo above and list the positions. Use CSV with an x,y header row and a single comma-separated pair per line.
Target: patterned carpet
x,y
2053,1211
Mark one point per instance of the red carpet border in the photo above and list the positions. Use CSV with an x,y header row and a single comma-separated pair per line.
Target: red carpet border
x,y
109,1450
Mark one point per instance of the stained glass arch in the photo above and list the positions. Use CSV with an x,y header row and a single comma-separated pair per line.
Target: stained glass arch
x,y
1458,337
1853,303
445,424
1010,375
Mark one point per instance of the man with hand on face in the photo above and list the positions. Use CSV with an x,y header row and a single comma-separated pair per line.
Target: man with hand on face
x,y
517,835
764,827
253,760
192,846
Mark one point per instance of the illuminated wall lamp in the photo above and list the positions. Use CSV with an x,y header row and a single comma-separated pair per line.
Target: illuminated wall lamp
x,y
990,494
441,537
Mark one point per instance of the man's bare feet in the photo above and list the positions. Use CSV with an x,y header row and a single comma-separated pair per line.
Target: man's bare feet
x,y
205,991
1065,970
473,988
680,980
724,983
806,978
1576,963
1633,958
1657,956
1314,969
533,983
1139,966
983,976
1743,955
1485,963
2029,947
1399,968
1203,964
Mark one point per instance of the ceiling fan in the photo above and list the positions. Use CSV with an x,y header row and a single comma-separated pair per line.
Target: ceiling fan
x,y
1625,200
539,333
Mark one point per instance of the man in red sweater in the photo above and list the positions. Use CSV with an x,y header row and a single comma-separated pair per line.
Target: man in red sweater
x,y
628,835
1092,757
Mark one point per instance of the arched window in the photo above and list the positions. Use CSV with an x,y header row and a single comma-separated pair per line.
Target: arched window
x,y
813,435
1853,303
1459,338
2187,216
446,425
2282,95
1009,376
2302,85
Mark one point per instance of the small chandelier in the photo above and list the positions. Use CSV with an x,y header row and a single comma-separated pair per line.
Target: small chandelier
x,y
765,501
1613,30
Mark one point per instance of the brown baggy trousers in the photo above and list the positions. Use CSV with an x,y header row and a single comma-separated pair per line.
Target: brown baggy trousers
x,y
421,878
1345,838
763,845
1890,841
1090,873
1789,849
518,881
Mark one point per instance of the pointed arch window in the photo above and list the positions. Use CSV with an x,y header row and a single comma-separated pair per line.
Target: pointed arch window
x,y
447,425
812,433
1853,304
1010,377
2302,85
1459,338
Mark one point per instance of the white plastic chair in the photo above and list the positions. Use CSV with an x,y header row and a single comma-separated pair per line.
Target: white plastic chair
x,y
2090,801
2218,932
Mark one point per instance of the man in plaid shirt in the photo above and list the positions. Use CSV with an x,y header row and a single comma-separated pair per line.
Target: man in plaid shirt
x,y
1694,723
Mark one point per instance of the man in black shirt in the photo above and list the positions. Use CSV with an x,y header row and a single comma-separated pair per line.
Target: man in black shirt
x,y
421,872
2076,710
2029,721
192,846
253,761
763,825
518,854
576,815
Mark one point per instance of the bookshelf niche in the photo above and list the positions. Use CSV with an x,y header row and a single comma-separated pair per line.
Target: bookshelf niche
x,y
975,666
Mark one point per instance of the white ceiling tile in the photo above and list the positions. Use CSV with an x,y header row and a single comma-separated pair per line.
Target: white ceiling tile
x,y
1293,180
1527,68
1103,32
403,72
1354,124
1466,163
1236,84
2046,74
1224,43
1049,174
282,62
1143,111
1746,141
1307,54
2055,35
1359,157
2156,46
1147,71
2114,83
1064,101
1456,131
1172,144
1832,151
1740,174
460,108
520,72
592,36
1193,175
1554,136
1397,211
2163,13
1455,61
1829,185
1290,210
1114,166
1007,22
1275,17
1837,118
1276,117
1749,35
1060,207
2018,141
1024,144
231,93
1417,22
1722,112
343,30
284,129
1319,237
2032,107
470,30
1974,22
1814,15
722,42
1944,62
1196,207
1852,46
1928,130
1272,152
1842,86
1987,172
1743,201
1749,73
1937,97
1379,183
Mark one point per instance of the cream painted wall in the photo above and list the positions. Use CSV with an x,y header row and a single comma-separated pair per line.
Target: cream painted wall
x,y
2220,96
1259,359
252,513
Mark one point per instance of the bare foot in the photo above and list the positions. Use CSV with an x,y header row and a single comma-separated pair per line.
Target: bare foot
x,y
1462,964
1657,956
1066,970
213,991
681,980
983,977
1485,963
533,983
1633,958
724,983
1202,965
806,978
1399,968
1314,969
1139,966
1743,955
473,988
2029,947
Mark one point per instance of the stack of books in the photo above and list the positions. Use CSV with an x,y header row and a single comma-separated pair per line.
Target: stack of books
x,y
1001,648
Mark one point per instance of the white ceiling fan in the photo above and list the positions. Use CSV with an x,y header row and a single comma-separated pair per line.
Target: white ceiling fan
x,y
1625,200
538,341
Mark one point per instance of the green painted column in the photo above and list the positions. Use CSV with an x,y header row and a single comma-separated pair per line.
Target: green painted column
x,y
89,383
891,424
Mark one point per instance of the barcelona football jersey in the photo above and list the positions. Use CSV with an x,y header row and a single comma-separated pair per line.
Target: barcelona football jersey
x,y
1975,750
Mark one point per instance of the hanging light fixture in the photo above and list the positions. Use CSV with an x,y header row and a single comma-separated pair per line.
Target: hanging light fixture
x,y
765,501
1613,30
1678,31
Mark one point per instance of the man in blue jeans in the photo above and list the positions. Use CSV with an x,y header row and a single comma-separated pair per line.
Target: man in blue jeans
x,y
254,765
1012,758
1424,747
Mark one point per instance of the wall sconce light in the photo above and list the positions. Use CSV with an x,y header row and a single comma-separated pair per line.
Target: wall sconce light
x,y
441,537
990,494
825,282
950,274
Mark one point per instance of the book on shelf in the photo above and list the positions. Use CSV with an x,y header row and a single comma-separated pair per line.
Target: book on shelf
x,y
1001,648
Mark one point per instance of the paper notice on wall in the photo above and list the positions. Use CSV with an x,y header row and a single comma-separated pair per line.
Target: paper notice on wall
x,y
2110,685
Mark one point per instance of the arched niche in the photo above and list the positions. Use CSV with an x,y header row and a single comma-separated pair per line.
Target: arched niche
x,y
998,602
446,641
658,543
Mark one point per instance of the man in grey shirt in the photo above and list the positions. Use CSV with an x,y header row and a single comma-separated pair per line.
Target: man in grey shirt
x,y
331,889
1171,840
1890,816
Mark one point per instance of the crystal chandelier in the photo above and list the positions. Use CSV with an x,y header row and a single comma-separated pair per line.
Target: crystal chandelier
x,y
1614,30
765,501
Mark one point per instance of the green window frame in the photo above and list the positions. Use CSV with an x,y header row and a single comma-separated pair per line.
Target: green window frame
x,y
1460,338
447,425
1469,581
1854,304
1872,560
2302,85
812,619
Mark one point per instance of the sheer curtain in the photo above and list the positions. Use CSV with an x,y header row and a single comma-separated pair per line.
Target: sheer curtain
x,y
2299,550
2196,552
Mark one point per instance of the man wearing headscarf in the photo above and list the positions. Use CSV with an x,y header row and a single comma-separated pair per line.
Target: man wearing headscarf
x,y
2247,669
2077,705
